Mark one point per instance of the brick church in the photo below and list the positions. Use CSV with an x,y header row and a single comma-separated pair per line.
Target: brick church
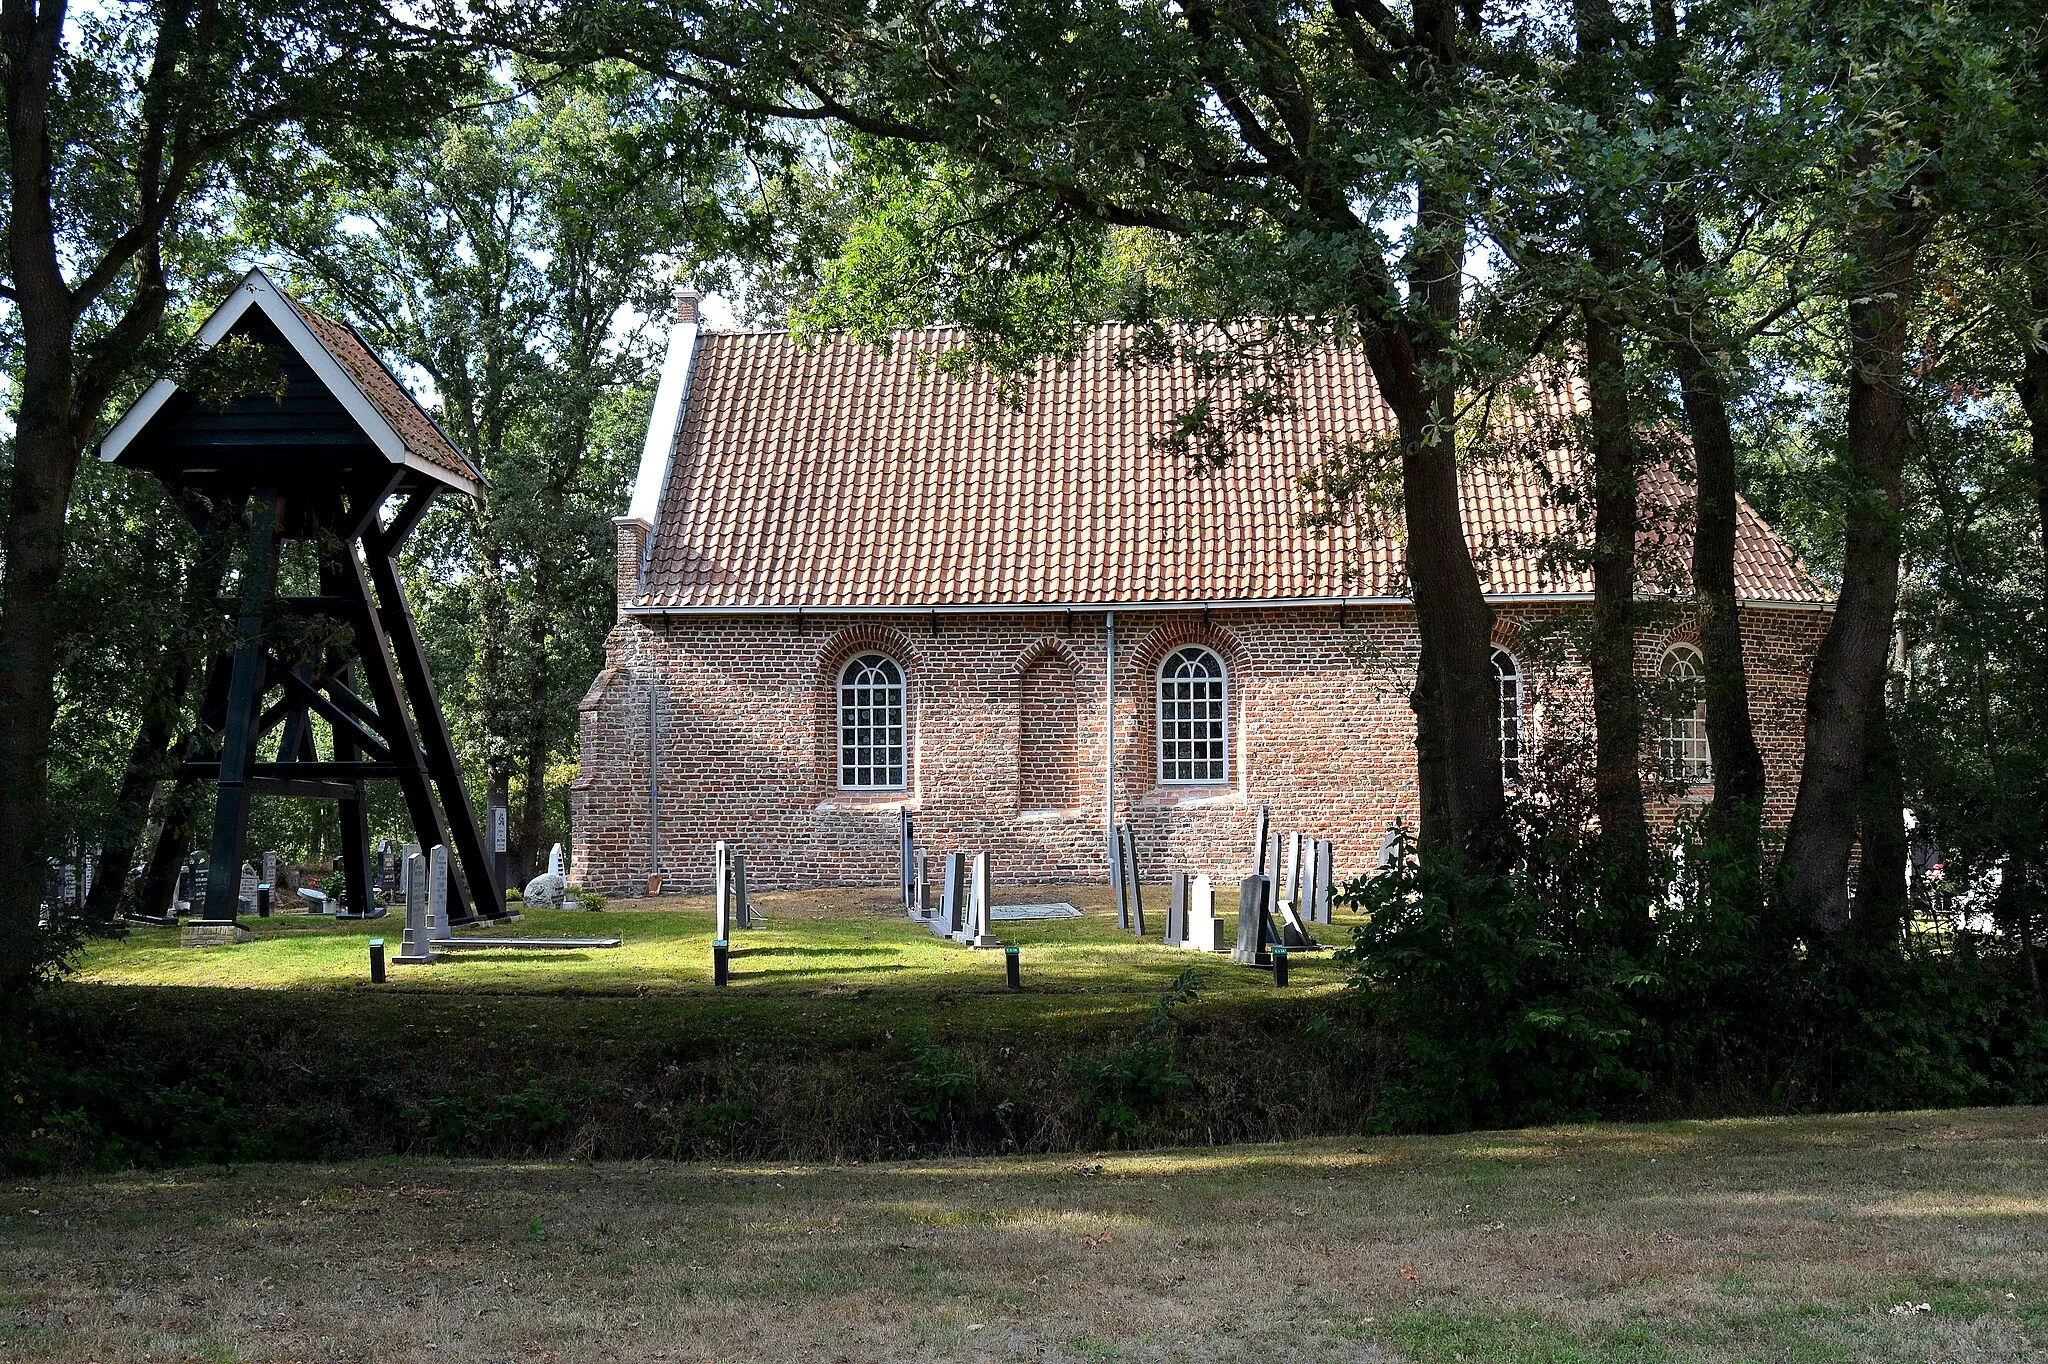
x,y
851,585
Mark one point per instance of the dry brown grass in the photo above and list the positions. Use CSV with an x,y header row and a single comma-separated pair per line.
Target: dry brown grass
x,y
1751,1239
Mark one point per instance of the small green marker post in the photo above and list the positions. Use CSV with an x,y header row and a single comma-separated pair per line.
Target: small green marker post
x,y
376,961
720,952
1279,966
1011,976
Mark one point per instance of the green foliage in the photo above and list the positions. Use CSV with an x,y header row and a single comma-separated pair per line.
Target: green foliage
x,y
1127,1092
489,1116
933,1078
1513,1005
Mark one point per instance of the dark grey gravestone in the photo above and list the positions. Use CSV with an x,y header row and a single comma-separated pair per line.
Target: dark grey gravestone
x,y
1259,840
742,907
1326,867
1116,878
906,852
1131,870
721,892
953,891
1252,940
1177,911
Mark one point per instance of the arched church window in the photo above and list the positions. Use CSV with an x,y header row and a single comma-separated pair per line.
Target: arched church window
x,y
1507,681
871,728
1191,718
1682,733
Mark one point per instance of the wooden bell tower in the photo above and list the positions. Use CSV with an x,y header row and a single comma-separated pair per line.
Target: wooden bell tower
x,y
330,449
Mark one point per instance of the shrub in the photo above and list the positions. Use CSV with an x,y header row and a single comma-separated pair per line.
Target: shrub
x,y
1124,1092
933,1077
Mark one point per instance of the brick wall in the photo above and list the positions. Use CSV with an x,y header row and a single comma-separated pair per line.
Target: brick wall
x,y
742,713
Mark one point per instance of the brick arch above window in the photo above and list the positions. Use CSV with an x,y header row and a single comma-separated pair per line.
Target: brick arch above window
x,y
1045,649
1686,632
1141,665
833,654
1510,634
1140,673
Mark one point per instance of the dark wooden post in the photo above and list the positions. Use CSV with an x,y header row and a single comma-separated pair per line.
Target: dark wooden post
x,y
239,731
488,898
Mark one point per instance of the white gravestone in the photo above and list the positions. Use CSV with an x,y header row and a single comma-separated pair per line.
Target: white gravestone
x,y
437,894
413,948
1203,926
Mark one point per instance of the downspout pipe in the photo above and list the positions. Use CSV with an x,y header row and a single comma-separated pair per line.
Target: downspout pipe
x,y
1109,735
653,777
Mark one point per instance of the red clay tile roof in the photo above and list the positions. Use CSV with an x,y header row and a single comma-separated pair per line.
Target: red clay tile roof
x,y
422,435
836,475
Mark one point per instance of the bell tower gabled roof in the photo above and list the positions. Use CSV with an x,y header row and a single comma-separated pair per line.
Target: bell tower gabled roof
x,y
337,406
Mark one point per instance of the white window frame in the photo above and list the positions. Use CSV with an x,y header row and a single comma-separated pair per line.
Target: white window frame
x,y
1221,739
895,761
1675,748
1510,768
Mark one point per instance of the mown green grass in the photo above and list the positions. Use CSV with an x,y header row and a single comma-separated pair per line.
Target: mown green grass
x,y
824,962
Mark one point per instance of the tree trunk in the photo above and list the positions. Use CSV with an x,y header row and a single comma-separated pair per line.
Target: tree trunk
x,y
1880,910
1617,700
1849,667
1458,775
533,805
1734,820
159,883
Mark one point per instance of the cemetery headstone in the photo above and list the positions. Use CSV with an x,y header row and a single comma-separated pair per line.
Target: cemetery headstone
x,y
1203,927
742,905
1137,889
923,907
501,843
1259,840
245,893
555,860
1390,848
953,903
437,894
978,925
1291,897
1326,866
1117,884
414,947
1253,937
1177,911
1272,872
906,854
721,892
270,870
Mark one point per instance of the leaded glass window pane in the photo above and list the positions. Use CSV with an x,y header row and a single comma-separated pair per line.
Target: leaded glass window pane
x,y
871,726
1191,718
1682,734
1507,679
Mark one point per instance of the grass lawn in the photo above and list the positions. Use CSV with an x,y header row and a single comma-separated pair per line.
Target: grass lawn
x,y
848,1032
837,946
1770,1240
